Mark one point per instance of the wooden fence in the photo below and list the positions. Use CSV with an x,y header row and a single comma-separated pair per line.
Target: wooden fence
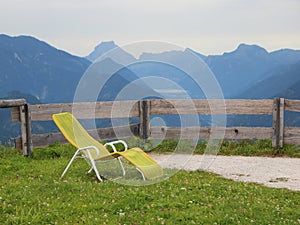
x,y
21,114
145,108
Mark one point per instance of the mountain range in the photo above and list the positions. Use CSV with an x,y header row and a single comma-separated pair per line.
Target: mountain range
x,y
41,73
51,75
33,67
247,72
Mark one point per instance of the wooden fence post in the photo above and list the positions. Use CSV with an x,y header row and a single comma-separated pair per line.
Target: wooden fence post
x,y
281,122
23,130
278,122
144,119
28,129
20,113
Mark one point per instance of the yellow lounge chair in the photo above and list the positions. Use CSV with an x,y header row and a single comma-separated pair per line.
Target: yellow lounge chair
x,y
94,151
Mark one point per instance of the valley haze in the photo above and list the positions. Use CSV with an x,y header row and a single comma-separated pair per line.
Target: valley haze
x,y
35,70
52,74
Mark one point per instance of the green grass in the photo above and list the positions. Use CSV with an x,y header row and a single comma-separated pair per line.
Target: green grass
x,y
244,148
32,193
233,147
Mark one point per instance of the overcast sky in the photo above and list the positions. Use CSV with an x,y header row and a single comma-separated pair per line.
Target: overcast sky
x,y
207,26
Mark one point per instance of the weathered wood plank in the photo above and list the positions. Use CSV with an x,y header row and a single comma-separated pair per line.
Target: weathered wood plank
x,y
15,114
292,135
116,132
232,106
292,105
144,119
24,142
275,122
174,132
87,110
27,115
12,103
206,132
44,140
18,143
23,130
281,121
248,133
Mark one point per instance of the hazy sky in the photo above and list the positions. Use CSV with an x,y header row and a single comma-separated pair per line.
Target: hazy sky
x,y
207,26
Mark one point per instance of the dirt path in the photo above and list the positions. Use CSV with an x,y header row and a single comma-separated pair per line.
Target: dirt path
x,y
272,172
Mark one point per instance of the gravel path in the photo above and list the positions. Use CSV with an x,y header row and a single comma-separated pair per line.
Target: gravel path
x,y
272,172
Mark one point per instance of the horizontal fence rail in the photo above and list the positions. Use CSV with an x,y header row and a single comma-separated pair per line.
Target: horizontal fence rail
x,y
230,106
12,103
292,105
230,132
43,140
145,108
83,110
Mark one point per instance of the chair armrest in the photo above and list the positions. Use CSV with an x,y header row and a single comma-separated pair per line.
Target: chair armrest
x,y
89,147
112,144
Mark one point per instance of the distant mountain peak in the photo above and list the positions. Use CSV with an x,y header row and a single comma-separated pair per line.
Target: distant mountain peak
x,y
250,48
106,46
8,40
244,45
101,49
26,43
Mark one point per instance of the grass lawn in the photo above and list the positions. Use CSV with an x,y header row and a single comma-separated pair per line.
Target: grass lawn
x,y
32,193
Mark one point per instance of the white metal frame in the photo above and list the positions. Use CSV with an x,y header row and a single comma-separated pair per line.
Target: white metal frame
x,y
89,157
126,147
112,144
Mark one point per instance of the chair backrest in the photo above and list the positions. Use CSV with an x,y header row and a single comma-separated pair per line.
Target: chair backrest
x,y
76,134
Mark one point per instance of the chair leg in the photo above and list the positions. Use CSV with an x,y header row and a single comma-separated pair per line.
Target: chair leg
x,y
123,169
90,170
112,145
69,164
94,166
144,178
